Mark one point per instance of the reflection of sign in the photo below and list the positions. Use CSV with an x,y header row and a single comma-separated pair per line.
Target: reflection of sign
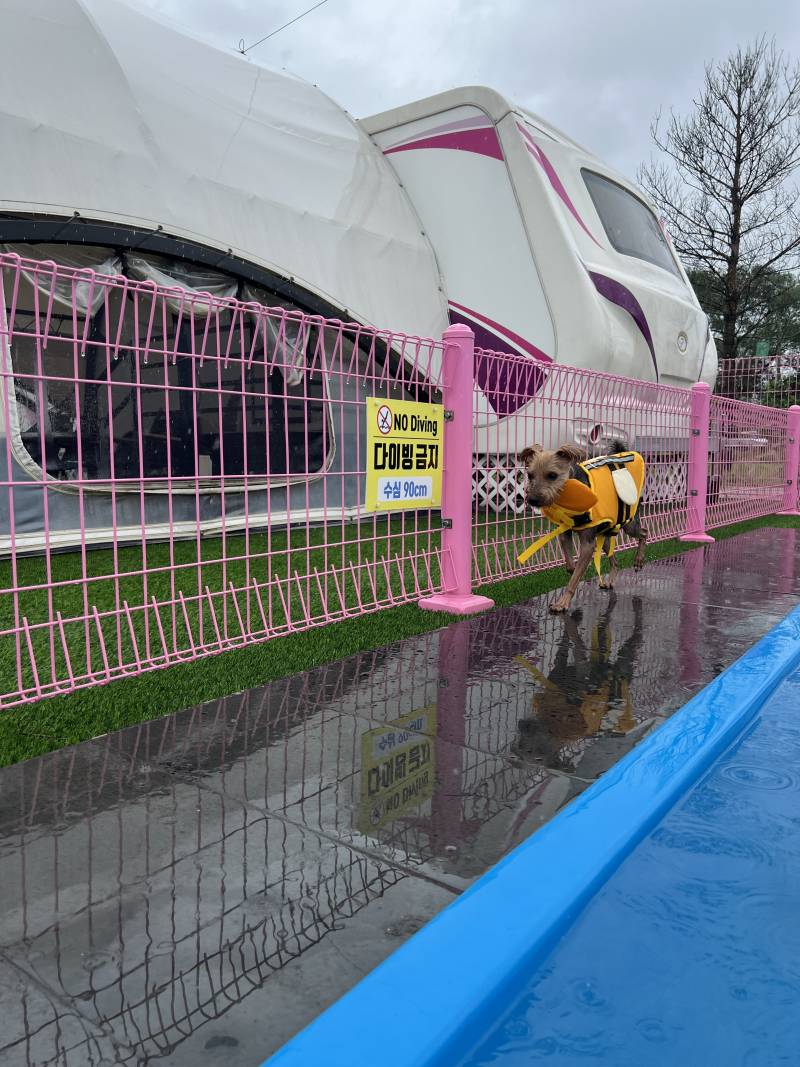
x,y
397,767
404,454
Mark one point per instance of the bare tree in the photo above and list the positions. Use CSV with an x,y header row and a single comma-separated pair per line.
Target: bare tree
x,y
725,191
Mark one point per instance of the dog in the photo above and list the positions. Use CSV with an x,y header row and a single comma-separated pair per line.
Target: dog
x,y
567,478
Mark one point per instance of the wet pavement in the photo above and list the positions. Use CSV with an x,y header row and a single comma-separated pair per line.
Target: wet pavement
x,y
195,889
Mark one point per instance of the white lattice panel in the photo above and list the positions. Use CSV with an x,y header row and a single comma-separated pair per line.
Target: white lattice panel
x,y
666,480
496,487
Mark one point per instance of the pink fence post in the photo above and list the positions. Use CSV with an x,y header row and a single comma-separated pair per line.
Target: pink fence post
x,y
458,372
791,462
698,464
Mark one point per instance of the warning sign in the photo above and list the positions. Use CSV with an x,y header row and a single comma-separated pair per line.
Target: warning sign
x,y
404,454
397,768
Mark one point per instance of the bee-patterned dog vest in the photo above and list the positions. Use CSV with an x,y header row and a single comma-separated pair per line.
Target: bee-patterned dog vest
x,y
603,496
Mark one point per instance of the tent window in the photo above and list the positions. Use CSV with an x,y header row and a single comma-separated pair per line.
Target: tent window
x,y
630,225
123,414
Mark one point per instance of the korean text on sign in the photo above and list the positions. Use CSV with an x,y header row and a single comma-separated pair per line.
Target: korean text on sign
x,y
404,454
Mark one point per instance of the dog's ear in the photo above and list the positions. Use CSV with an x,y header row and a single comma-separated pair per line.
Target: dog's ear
x,y
527,454
571,453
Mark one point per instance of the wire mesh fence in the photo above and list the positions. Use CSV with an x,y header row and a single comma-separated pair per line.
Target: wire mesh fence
x,y
559,405
770,380
747,456
182,473
214,449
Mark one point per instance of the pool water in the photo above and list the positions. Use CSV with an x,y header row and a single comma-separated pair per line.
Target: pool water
x,y
690,954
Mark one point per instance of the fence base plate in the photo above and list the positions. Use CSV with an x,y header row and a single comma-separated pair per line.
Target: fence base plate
x,y
789,512
456,604
700,538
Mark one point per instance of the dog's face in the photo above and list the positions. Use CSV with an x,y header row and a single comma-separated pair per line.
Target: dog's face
x,y
547,471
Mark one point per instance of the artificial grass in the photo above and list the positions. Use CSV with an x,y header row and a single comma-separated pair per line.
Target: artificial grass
x,y
32,729
183,594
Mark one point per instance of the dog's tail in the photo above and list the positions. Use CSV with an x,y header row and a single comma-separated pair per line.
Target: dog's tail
x,y
614,446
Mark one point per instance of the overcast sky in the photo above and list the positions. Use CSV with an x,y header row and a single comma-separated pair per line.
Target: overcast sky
x,y
599,71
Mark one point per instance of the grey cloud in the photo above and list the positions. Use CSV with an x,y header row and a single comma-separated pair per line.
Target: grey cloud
x,y
598,71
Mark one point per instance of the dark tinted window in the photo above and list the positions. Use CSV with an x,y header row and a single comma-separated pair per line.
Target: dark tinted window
x,y
631,226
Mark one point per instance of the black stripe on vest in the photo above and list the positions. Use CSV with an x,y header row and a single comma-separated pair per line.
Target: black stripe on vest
x,y
584,519
608,461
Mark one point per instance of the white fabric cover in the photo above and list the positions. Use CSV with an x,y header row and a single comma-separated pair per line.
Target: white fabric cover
x,y
106,111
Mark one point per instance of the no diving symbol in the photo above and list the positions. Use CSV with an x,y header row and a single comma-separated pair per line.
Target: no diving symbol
x,y
384,419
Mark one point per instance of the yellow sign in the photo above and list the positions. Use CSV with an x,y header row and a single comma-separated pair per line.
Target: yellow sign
x,y
404,455
397,768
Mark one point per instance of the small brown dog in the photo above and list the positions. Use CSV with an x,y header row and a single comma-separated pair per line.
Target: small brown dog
x,y
548,472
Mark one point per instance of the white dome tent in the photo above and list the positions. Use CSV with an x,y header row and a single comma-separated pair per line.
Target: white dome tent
x,y
107,112
135,148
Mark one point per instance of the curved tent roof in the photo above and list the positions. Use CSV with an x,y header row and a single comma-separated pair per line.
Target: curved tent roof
x,y
110,113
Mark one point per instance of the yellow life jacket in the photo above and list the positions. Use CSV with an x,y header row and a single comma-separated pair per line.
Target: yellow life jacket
x,y
605,496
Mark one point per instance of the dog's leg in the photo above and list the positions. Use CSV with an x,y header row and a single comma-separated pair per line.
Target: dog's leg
x,y
635,529
565,540
607,580
584,559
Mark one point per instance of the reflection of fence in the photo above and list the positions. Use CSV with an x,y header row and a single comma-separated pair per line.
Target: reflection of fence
x,y
159,900
205,459
155,945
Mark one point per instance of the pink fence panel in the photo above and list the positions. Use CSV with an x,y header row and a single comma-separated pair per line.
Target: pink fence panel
x,y
518,403
182,474
770,380
747,457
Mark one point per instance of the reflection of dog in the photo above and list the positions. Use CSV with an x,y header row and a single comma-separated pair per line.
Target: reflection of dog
x,y
576,698
594,498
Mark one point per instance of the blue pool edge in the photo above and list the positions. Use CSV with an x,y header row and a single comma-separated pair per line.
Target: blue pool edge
x,y
432,999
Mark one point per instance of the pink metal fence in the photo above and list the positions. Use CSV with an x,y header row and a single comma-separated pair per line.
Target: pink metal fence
x,y
710,460
202,460
521,403
748,454
770,380
183,474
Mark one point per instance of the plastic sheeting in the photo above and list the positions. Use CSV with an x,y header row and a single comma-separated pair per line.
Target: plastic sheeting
x,y
190,277
284,334
66,292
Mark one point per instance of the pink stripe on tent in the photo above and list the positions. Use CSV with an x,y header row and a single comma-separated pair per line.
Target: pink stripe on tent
x,y
507,386
554,180
503,332
481,142
475,123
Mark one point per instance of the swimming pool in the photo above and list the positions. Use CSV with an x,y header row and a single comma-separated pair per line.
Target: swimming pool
x,y
690,953
652,922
